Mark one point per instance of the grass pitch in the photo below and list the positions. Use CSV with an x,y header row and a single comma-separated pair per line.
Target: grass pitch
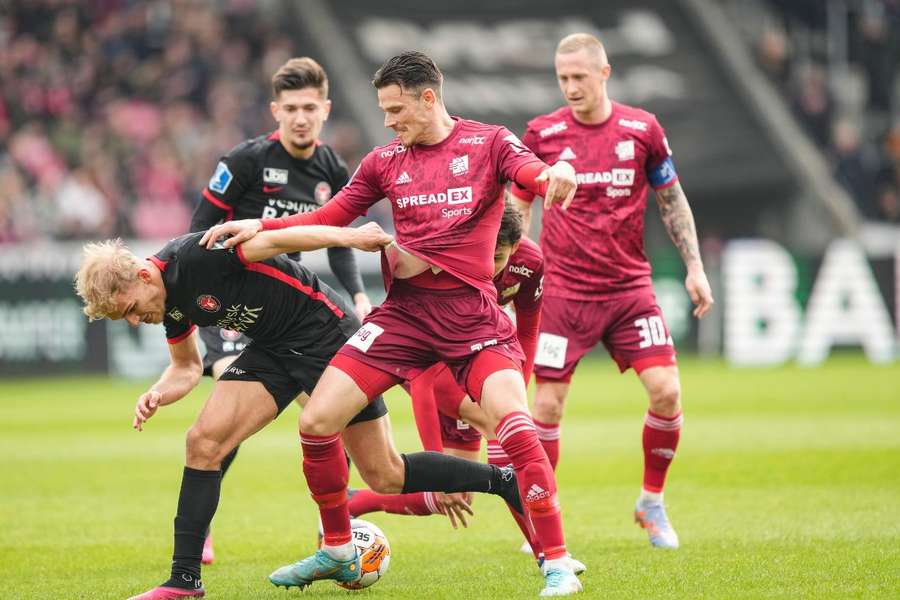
x,y
786,485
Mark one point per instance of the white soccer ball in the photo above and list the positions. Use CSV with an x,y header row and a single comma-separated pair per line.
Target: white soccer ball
x,y
374,553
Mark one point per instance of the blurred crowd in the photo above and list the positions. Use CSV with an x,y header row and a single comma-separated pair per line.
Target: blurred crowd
x,y
113,113
839,65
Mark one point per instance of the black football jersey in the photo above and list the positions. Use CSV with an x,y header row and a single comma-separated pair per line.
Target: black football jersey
x,y
277,302
258,179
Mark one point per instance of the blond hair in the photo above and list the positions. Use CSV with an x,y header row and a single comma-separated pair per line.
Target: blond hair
x,y
107,268
576,41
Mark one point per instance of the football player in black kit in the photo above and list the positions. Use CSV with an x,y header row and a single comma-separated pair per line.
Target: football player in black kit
x,y
286,172
296,323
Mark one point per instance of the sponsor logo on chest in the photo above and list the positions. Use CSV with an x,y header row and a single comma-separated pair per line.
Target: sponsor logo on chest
x,y
238,317
633,124
553,129
276,176
614,177
459,165
461,195
625,150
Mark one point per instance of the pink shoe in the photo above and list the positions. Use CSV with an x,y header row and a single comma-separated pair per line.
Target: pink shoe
x,y
209,555
169,593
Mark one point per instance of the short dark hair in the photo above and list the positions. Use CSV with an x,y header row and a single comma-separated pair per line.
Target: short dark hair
x,y
510,226
300,73
411,70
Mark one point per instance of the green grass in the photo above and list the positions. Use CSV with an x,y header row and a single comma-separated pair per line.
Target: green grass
x,y
787,485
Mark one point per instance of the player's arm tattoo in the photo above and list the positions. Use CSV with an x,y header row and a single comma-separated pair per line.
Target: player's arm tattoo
x,y
679,221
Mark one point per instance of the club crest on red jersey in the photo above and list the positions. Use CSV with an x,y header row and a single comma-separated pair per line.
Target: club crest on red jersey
x,y
208,303
322,193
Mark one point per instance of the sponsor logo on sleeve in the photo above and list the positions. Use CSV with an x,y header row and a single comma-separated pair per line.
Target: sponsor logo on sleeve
x,y
322,193
277,176
521,270
625,150
553,129
460,165
633,124
175,314
221,179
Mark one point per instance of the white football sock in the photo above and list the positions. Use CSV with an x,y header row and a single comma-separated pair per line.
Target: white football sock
x,y
650,497
344,552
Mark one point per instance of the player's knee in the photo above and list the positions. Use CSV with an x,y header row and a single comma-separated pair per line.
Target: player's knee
x,y
665,398
548,408
384,477
202,450
314,422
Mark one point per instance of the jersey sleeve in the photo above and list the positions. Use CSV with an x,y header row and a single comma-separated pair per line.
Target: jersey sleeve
x,y
177,331
510,154
231,179
528,317
660,168
363,190
530,140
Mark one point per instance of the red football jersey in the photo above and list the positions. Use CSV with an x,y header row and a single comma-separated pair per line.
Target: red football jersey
x,y
595,249
522,280
446,198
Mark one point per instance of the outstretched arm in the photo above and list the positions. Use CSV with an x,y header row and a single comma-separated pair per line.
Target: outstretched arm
x,y
679,222
270,243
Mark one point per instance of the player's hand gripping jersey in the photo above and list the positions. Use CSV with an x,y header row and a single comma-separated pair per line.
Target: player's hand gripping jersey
x,y
595,249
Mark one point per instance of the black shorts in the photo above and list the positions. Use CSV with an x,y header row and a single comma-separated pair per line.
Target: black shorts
x,y
286,373
219,344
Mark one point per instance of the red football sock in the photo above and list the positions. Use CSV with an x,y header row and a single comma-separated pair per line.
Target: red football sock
x,y
325,467
418,503
660,442
498,458
537,485
548,433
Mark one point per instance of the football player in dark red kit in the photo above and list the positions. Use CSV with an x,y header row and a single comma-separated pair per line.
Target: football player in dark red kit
x,y
444,177
597,283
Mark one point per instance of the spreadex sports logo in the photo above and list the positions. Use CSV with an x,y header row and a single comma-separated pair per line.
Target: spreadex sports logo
x,y
614,177
461,195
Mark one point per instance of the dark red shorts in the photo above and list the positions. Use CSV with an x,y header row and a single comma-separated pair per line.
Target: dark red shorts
x,y
456,433
416,327
632,329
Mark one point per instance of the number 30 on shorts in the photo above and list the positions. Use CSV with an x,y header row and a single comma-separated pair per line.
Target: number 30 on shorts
x,y
653,332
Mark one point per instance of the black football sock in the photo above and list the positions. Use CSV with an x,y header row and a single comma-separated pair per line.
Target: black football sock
x,y
229,458
226,463
197,504
436,472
